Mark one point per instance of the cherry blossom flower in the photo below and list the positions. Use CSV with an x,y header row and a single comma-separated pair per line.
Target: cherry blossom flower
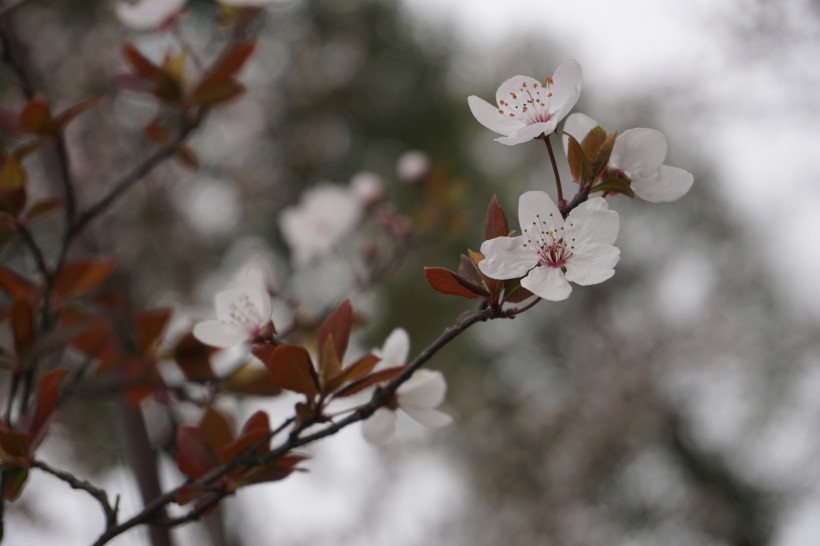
x,y
552,251
412,166
325,215
639,154
243,314
417,397
367,187
148,14
527,108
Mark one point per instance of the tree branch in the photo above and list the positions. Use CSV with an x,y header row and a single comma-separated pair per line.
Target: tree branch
x,y
99,495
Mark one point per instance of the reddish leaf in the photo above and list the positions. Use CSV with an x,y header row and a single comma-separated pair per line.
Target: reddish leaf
x,y
14,285
495,223
15,445
330,365
47,392
143,66
73,111
252,380
216,429
355,371
336,324
275,470
381,376
194,358
254,432
81,276
447,282
226,67
43,208
194,455
187,157
21,317
291,368
579,166
36,116
514,292
215,94
148,325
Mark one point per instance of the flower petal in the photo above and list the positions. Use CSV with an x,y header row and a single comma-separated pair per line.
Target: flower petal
x,y
671,184
395,349
425,389
640,152
428,417
577,125
379,428
592,222
548,283
566,88
488,116
528,132
218,334
535,208
592,264
507,257
513,91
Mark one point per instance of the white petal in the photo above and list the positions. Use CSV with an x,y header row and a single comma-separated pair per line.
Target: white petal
x,y
639,152
488,116
236,306
592,222
395,349
147,14
529,132
425,389
548,283
535,208
592,264
671,184
218,334
379,428
577,125
428,417
507,257
566,88
515,87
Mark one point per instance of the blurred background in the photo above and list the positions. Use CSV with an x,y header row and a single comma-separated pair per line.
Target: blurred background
x,y
676,404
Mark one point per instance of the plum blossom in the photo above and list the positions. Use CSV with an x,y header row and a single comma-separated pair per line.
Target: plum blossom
x,y
243,314
367,187
325,215
417,397
412,166
528,108
639,154
552,251
147,14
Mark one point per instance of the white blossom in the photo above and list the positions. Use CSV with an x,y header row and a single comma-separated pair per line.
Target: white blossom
x,y
147,14
417,397
528,108
325,215
552,251
367,187
639,154
412,166
243,314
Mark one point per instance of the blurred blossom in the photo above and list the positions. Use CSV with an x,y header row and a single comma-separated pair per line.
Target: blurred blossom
x,y
417,397
248,3
210,205
243,314
367,187
527,108
147,14
325,215
551,252
639,154
412,166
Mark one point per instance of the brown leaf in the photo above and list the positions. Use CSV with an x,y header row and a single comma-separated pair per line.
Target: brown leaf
x,y
194,358
381,376
67,115
337,324
43,208
13,284
81,276
216,429
447,282
194,455
47,391
36,116
251,379
291,368
355,371
495,222
226,68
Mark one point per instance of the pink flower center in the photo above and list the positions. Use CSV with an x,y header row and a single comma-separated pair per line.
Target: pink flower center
x,y
548,243
530,104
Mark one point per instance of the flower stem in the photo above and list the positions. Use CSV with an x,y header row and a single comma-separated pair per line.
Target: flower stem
x,y
561,202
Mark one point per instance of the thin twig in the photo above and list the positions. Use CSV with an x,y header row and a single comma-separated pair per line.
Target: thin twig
x,y
555,173
84,485
34,249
